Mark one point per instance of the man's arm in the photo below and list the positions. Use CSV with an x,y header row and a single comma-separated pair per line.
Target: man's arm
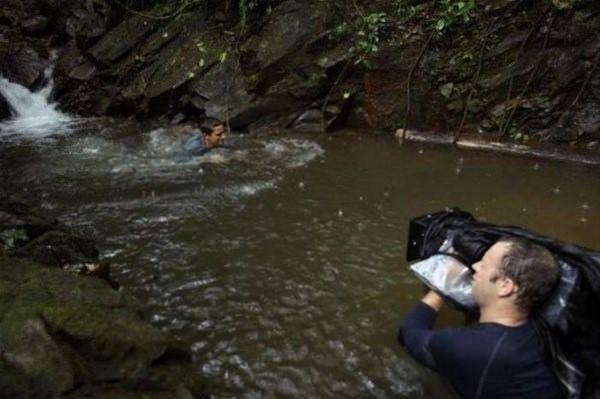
x,y
415,334
433,300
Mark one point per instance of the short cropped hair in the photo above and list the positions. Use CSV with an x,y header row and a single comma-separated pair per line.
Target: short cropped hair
x,y
533,269
209,124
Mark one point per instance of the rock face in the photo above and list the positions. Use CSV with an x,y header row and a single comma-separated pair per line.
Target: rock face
x,y
64,335
23,66
188,63
67,335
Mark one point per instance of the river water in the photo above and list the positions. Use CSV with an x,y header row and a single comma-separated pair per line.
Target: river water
x,y
282,261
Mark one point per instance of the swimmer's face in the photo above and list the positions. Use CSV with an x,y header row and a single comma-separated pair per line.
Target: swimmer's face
x,y
215,138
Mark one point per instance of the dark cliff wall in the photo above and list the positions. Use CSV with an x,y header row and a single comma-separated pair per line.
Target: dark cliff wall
x,y
518,70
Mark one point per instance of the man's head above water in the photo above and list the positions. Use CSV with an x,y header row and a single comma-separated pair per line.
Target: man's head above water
x,y
213,131
515,276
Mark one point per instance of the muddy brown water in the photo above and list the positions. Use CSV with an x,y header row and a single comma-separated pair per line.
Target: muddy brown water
x,y
283,261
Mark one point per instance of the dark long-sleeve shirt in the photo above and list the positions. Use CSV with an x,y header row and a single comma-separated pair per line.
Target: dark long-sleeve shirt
x,y
486,360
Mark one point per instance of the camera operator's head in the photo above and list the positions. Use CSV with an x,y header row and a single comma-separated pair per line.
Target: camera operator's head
x,y
515,273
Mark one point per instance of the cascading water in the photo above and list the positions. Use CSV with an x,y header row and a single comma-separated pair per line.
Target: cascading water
x,y
34,116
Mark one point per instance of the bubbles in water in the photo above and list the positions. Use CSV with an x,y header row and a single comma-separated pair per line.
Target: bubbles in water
x,y
295,152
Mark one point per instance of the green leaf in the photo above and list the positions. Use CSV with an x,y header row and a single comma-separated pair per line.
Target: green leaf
x,y
447,89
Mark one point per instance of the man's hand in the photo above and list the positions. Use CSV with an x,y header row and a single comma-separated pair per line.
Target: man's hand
x,y
433,300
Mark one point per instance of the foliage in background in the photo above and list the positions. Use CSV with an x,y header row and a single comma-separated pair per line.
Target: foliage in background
x,y
11,236
450,13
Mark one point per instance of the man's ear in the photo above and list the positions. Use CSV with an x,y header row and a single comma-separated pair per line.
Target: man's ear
x,y
506,287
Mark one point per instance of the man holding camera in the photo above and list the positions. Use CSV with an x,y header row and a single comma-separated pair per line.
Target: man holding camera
x,y
498,357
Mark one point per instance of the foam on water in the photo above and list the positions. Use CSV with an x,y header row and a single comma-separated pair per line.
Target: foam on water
x,y
296,152
34,115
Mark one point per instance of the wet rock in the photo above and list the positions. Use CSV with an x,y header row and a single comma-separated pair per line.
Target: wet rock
x,y
30,348
62,332
102,104
88,19
84,71
222,92
74,64
123,38
16,215
566,65
289,28
23,66
159,36
58,248
589,118
312,116
35,26
178,62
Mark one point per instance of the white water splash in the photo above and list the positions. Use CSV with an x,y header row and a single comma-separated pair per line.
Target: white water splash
x,y
34,116
295,152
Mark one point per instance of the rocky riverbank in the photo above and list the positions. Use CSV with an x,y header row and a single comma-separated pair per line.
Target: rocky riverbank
x,y
67,331
519,71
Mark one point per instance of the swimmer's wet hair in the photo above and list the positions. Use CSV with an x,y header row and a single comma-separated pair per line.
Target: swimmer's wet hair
x,y
209,124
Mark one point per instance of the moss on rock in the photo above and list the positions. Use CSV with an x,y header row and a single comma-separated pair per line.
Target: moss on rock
x,y
62,332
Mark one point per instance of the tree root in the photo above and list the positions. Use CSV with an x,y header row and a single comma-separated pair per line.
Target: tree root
x,y
409,81
587,80
477,75
533,29
504,127
333,86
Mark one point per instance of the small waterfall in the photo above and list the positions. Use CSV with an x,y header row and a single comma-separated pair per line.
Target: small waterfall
x,y
34,116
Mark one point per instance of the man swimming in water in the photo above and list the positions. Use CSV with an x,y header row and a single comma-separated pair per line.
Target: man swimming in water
x,y
211,136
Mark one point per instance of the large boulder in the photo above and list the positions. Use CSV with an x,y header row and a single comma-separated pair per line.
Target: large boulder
x,y
188,55
74,64
29,234
61,332
22,65
290,27
123,38
88,19
222,92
